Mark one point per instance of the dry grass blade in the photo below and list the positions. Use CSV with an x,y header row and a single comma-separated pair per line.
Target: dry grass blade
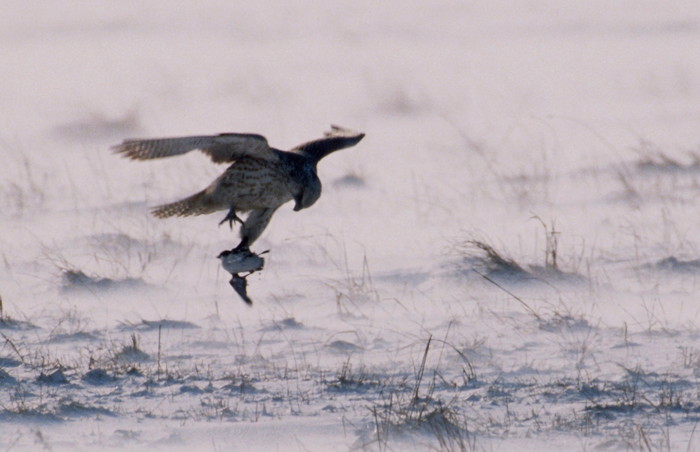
x,y
494,260
421,370
13,346
515,297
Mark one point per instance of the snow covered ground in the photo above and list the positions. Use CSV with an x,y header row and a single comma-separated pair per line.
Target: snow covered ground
x,y
508,261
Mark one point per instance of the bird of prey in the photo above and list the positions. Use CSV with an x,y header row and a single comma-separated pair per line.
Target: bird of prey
x,y
259,179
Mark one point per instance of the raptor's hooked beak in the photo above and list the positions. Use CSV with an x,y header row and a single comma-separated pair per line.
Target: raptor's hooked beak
x,y
297,204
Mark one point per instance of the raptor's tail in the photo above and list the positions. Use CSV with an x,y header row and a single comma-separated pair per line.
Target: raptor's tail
x,y
197,204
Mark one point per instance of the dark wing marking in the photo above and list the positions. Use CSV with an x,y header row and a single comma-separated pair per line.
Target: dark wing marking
x,y
240,285
335,139
227,147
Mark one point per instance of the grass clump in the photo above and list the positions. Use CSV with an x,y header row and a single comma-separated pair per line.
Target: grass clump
x,y
407,413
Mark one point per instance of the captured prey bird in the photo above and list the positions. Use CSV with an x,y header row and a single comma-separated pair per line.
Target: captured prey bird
x,y
259,179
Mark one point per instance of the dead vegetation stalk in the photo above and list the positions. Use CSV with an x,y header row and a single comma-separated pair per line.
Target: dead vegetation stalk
x,y
13,346
421,370
515,297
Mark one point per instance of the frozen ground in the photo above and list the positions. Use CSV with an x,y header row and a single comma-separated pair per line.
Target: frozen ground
x,y
508,261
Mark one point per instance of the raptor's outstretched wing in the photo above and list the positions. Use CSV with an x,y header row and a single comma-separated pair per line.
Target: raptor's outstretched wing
x,y
224,148
335,139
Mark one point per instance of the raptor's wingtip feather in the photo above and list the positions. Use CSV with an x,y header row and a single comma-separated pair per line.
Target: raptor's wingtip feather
x,y
337,130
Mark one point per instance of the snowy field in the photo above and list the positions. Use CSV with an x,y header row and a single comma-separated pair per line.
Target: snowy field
x,y
509,260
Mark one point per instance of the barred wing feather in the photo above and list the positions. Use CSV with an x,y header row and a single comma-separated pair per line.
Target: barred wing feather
x,y
224,148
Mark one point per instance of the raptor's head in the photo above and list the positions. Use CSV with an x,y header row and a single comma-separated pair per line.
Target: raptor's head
x,y
308,195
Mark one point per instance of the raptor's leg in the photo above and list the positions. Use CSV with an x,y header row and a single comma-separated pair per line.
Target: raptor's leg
x,y
241,247
253,226
231,217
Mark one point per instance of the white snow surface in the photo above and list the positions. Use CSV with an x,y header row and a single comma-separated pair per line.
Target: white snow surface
x,y
563,134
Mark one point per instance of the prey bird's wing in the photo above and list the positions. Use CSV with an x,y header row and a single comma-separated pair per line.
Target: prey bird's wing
x,y
224,148
240,285
335,139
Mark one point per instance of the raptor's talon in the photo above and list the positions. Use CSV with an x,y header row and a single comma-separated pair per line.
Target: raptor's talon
x,y
231,217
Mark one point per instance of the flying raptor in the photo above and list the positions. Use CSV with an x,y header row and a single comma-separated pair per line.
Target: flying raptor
x,y
259,179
